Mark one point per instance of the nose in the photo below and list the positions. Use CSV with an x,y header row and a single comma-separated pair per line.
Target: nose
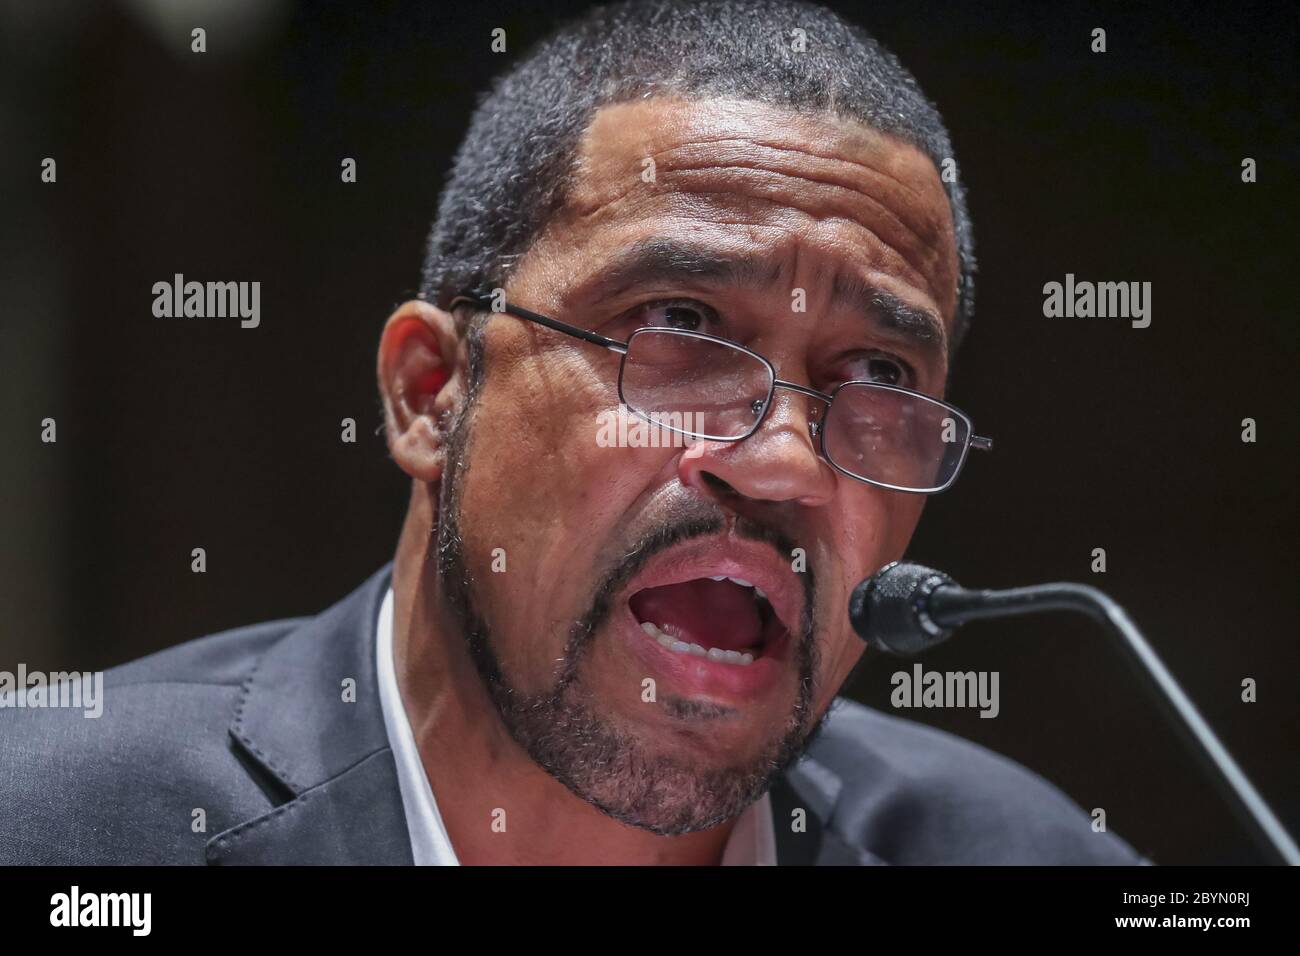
x,y
779,462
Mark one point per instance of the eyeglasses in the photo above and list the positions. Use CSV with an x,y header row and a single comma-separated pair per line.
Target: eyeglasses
x,y
711,389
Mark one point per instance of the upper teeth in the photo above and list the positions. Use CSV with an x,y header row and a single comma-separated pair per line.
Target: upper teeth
x,y
683,647
741,581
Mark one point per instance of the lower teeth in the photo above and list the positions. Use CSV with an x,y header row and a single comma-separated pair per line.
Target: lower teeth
x,y
682,647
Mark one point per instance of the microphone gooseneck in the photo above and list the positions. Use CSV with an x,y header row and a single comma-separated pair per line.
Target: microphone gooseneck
x,y
904,609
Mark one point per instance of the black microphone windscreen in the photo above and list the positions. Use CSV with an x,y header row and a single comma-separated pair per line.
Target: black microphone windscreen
x,y
885,610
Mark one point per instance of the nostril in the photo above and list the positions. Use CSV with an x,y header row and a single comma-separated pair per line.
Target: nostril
x,y
717,484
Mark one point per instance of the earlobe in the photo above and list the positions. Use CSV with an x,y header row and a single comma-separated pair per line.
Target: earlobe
x,y
417,381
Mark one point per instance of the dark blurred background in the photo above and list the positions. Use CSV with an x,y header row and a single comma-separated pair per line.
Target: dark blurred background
x,y
177,434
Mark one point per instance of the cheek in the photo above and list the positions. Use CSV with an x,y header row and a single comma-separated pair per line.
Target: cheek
x,y
874,529
541,488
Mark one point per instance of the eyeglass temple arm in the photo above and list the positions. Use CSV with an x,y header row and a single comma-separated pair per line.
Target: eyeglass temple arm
x,y
982,443
587,336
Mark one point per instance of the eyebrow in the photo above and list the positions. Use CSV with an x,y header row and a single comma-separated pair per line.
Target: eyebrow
x,y
917,324
661,259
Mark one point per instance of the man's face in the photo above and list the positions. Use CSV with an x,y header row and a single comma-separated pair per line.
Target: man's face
x,y
750,547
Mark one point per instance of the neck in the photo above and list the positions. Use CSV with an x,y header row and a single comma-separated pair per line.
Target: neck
x,y
499,807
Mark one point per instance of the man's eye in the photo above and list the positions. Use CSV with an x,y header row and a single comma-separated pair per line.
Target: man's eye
x,y
883,368
685,314
886,371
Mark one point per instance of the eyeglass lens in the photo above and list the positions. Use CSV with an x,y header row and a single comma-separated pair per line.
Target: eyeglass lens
x,y
715,390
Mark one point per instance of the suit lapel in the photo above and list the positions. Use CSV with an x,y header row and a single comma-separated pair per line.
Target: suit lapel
x,y
327,755
355,818
807,795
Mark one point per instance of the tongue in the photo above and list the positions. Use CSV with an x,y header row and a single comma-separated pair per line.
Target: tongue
x,y
709,613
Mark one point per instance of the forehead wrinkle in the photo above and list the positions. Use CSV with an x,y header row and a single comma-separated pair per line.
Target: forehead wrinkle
x,y
921,256
686,138
728,198
688,135
706,151
926,234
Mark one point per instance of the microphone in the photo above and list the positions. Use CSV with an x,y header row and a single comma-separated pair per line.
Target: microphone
x,y
891,609
904,609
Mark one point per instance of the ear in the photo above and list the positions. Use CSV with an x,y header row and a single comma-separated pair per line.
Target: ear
x,y
421,382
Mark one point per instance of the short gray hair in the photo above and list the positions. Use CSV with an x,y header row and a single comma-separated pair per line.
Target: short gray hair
x,y
513,168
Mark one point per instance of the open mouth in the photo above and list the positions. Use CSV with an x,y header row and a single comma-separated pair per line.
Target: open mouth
x,y
727,620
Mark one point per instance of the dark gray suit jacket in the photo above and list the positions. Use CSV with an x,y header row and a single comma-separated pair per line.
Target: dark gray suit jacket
x,y
250,727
